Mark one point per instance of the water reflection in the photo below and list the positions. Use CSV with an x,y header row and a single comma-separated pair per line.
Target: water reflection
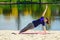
x,y
35,14
8,18
55,24
27,13
7,24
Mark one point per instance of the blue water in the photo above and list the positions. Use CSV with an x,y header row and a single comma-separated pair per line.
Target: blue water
x,y
7,24
55,22
55,25
11,24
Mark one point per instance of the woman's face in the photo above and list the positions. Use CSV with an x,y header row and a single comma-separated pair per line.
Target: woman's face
x,y
45,20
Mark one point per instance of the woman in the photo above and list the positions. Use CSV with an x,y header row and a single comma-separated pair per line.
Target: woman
x,y
37,22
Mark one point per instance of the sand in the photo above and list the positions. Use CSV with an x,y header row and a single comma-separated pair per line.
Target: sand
x,y
7,35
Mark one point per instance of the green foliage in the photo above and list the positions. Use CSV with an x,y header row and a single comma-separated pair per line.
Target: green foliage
x,y
4,0
37,9
35,0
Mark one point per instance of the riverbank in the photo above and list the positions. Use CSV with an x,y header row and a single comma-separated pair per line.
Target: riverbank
x,y
7,35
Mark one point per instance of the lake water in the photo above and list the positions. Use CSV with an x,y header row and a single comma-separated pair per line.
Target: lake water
x,y
7,24
55,23
28,13
11,24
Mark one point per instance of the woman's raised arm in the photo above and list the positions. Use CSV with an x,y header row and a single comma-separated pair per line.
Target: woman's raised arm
x,y
45,10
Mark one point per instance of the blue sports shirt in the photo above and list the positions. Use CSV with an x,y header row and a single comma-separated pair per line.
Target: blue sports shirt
x,y
38,22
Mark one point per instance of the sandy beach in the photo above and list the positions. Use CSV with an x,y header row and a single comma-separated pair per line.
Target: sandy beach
x,y
7,35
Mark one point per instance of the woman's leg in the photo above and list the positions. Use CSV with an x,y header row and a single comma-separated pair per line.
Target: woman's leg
x,y
29,26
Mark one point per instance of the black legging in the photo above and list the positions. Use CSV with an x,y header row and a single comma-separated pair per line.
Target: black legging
x,y
29,26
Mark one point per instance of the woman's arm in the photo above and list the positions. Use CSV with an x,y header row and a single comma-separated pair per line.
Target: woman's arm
x,y
45,10
44,29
